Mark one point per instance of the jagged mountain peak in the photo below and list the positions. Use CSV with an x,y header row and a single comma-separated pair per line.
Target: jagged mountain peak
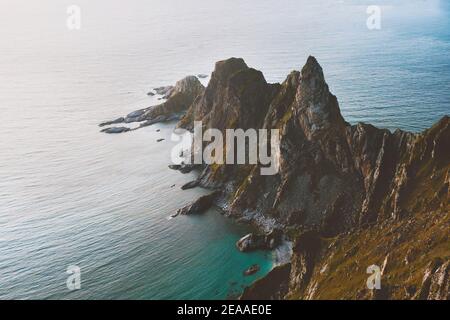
x,y
224,69
312,70
236,97
317,109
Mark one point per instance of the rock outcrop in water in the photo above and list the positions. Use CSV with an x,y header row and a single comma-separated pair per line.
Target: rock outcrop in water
x,y
179,98
267,241
200,205
343,191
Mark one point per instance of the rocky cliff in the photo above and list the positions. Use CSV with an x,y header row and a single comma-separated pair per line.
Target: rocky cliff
x,y
177,101
349,195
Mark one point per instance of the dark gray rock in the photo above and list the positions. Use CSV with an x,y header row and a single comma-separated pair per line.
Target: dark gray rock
x,y
250,242
184,168
116,130
116,121
135,114
200,205
190,185
175,166
164,90
268,241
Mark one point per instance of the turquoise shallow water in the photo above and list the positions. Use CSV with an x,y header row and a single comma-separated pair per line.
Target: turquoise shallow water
x,y
70,195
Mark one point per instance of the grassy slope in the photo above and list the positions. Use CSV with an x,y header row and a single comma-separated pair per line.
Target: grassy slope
x,y
341,273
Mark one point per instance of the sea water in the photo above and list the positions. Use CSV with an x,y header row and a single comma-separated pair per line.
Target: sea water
x,y
71,196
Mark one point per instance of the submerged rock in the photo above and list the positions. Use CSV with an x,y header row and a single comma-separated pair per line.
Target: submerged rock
x,y
190,185
116,121
164,90
175,166
186,168
251,270
116,130
135,114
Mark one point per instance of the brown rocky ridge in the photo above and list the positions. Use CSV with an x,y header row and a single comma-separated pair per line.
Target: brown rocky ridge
x,y
348,196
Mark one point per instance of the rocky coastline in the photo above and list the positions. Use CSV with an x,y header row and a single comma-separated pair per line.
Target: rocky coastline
x,y
177,98
347,196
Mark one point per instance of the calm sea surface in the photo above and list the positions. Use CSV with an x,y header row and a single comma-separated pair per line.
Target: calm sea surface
x,y
72,196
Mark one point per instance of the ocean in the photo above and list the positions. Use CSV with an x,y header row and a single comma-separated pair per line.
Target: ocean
x,y
70,195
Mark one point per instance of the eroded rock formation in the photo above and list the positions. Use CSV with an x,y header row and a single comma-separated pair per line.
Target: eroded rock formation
x,y
336,180
349,196
179,98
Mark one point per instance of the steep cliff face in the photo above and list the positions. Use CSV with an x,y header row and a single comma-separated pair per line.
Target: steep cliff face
x,y
338,181
316,176
403,225
236,97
